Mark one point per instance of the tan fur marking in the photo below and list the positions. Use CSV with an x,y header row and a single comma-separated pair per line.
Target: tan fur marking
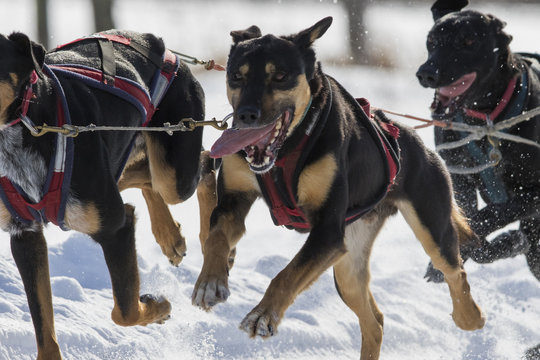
x,y
50,349
136,173
467,315
301,94
14,79
238,176
7,96
166,230
207,197
352,275
269,68
5,216
83,217
244,69
163,175
464,231
315,182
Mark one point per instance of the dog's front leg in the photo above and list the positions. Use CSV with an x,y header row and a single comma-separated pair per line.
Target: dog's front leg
x,y
30,253
118,244
323,248
227,227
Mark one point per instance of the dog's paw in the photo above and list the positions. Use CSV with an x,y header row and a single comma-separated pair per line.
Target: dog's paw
x,y
173,244
157,309
260,322
209,292
472,320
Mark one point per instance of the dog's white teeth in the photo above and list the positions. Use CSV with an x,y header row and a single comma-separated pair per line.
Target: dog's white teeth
x,y
267,160
278,125
272,141
249,159
276,133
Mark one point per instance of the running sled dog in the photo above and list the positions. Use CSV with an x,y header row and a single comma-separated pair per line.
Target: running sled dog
x,y
479,81
323,166
114,79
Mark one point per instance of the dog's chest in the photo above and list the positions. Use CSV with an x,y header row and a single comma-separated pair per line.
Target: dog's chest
x,y
23,166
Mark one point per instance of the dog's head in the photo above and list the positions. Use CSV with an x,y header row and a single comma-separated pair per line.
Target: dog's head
x,y
18,58
466,53
268,87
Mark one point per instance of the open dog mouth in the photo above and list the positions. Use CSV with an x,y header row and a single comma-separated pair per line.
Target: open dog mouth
x,y
261,144
448,98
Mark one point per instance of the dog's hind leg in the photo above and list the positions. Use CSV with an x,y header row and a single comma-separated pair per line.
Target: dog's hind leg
x,y
352,277
30,253
120,255
437,229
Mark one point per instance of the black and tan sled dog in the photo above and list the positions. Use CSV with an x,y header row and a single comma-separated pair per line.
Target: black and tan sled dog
x,y
114,78
479,81
324,167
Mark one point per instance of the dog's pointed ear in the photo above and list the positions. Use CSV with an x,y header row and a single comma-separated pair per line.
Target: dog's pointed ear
x,y
503,38
251,32
443,7
34,51
306,37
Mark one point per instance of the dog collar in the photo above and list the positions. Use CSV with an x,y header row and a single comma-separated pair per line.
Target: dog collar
x,y
490,118
25,104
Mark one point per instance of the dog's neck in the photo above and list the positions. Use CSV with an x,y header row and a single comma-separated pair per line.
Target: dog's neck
x,y
24,158
492,86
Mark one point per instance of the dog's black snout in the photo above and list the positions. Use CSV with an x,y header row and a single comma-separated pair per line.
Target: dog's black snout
x,y
248,114
428,76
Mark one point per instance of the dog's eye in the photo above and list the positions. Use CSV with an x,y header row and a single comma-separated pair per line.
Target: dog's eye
x,y
236,76
279,76
468,42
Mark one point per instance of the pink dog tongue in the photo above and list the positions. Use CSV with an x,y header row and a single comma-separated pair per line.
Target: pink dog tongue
x,y
232,140
459,86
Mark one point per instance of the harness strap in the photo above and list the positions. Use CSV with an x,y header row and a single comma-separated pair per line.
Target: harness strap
x,y
291,216
108,61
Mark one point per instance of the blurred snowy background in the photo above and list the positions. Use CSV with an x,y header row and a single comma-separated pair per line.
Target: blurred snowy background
x,y
318,326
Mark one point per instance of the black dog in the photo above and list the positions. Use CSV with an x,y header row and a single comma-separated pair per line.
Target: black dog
x,y
305,144
480,81
114,78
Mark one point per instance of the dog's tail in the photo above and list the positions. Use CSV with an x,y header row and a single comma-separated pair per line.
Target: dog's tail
x,y
466,236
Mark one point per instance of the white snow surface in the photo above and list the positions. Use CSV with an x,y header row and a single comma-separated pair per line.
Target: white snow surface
x,y
318,325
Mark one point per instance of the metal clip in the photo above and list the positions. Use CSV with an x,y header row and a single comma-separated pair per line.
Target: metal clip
x,y
217,124
65,130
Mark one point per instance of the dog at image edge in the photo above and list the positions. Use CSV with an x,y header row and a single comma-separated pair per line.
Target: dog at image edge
x,y
298,134
476,76
38,88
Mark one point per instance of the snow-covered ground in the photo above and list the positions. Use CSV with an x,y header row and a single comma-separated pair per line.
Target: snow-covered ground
x,y
318,326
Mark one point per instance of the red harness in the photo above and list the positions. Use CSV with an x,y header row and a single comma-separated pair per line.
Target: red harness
x,y
52,205
277,184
